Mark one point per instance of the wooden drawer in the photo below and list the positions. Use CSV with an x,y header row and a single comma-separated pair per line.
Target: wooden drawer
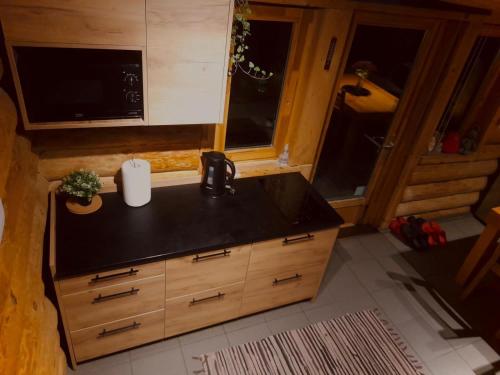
x,y
289,255
102,279
98,306
196,273
199,310
118,335
280,289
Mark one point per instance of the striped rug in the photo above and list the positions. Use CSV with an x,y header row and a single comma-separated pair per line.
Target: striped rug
x,y
359,343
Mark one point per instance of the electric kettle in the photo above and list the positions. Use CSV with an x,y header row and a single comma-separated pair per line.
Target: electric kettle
x,y
216,178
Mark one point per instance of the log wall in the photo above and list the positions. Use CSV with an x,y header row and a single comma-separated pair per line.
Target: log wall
x,y
29,340
447,185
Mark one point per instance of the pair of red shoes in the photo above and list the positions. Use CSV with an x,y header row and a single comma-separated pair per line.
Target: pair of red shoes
x,y
417,232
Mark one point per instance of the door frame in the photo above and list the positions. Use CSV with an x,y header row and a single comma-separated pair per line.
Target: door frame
x,y
400,119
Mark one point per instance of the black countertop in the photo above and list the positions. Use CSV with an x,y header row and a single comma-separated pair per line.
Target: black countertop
x,y
180,220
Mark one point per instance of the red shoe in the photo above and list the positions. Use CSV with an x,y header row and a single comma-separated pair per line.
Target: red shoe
x,y
395,225
439,233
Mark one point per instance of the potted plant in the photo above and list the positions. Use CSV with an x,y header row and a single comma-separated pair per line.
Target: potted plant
x,y
82,187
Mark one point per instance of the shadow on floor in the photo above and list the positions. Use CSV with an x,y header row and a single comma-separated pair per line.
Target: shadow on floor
x,y
481,310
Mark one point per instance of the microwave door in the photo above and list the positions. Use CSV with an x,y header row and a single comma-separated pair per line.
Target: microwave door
x,y
72,84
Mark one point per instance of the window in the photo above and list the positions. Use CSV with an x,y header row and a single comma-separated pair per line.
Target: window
x,y
254,104
254,126
458,115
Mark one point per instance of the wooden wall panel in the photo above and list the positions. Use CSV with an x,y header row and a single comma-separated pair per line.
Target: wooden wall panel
x,y
442,189
29,340
435,204
452,171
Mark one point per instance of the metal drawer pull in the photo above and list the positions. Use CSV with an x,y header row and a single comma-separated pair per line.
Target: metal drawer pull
x,y
101,298
217,296
111,332
296,277
307,237
98,278
224,253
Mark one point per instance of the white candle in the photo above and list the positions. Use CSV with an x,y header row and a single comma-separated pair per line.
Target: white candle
x,y
136,177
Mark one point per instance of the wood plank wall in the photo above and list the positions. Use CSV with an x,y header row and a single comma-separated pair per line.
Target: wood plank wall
x,y
29,340
447,185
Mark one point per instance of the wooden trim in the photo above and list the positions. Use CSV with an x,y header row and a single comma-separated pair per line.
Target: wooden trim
x,y
278,14
351,202
9,45
52,235
434,204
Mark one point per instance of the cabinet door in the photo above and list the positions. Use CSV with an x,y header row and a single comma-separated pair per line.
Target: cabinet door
x,y
113,22
188,44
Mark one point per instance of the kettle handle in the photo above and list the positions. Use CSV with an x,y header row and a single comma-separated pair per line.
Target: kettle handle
x,y
230,176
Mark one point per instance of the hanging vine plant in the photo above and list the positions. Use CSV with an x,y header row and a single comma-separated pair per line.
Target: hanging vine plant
x,y
239,34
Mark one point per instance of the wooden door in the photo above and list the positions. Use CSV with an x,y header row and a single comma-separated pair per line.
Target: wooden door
x,y
381,66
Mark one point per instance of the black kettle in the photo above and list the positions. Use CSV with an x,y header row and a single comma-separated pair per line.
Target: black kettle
x,y
216,177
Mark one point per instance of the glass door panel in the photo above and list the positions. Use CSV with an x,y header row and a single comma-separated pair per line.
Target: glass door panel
x,y
377,69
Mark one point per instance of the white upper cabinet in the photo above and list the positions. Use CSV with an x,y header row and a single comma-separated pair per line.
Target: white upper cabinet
x,y
187,46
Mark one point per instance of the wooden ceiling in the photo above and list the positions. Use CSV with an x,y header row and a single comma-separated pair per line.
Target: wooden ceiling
x,y
484,4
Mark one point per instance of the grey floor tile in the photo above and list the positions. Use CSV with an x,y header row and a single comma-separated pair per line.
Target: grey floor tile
x,y
245,322
166,362
322,313
282,311
395,242
116,369
351,250
469,225
288,322
252,333
423,339
378,245
396,266
153,348
323,298
196,349
371,274
105,363
479,356
449,364
348,294
452,231
399,304
201,334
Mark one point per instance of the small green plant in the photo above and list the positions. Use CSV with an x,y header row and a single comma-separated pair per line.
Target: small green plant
x,y
81,184
239,33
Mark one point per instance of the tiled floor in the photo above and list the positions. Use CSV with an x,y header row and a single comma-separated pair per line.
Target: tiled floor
x,y
363,273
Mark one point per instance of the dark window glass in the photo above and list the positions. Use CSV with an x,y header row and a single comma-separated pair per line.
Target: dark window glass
x,y
364,108
254,104
473,75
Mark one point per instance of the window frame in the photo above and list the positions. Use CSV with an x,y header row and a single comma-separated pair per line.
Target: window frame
x,y
278,14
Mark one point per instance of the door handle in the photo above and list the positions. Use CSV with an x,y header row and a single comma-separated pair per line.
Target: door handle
x,y
388,145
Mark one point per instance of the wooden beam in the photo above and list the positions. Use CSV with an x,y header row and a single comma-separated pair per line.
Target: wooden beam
x,y
452,171
442,189
435,204
445,213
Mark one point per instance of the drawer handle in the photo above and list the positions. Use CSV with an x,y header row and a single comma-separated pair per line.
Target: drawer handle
x,y
224,253
98,279
307,237
106,333
296,277
100,298
217,296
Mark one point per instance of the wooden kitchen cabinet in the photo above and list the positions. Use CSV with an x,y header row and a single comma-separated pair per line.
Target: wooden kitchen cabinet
x,y
182,294
109,22
188,50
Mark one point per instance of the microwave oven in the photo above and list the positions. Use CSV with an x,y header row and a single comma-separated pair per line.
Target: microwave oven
x,y
79,84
